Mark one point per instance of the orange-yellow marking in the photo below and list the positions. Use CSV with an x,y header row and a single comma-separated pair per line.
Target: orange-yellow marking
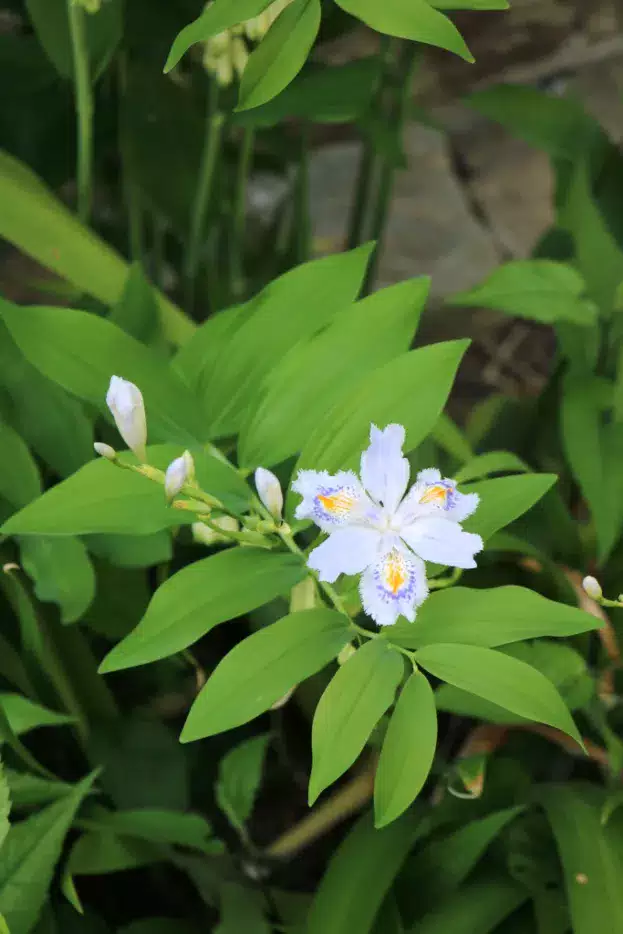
x,y
435,494
336,502
395,575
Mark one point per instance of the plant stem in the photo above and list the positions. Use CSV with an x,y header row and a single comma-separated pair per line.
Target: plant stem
x,y
84,108
240,211
410,58
207,172
130,190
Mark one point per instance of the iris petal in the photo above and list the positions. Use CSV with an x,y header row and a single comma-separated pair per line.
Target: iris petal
x,y
384,469
395,585
346,551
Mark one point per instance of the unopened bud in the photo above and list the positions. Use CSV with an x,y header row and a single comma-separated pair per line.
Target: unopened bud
x,y
593,588
125,401
347,652
269,490
303,595
239,55
105,450
179,472
205,535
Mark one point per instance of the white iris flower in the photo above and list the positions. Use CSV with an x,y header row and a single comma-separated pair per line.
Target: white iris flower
x,y
378,532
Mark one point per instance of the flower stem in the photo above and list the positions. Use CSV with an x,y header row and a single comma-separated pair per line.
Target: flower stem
x,y
207,173
84,108
239,213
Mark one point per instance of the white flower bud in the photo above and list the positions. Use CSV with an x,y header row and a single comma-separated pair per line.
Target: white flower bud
x,y
125,401
592,587
269,490
239,55
105,450
179,472
204,535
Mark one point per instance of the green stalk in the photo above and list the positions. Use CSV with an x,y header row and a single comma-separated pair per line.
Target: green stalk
x,y
240,212
397,115
131,193
207,173
84,108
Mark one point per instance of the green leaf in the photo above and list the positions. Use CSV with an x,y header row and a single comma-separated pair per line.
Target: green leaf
x,y
239,777
136,312
265,666
359,876
470,4
29,857
479,906
313,376
408,750
505,681
48,419
28,791
409,19
25,715
451,439
333,94
19,475
442,865
97,498
353,703
199,597
490,617
492,462
241,910
280,55
102,33
100,853
537,289
385,396
81,352
559,125
62,573
217,17
132,551
36,222
591,856
5,806
504,499
174,828
289,310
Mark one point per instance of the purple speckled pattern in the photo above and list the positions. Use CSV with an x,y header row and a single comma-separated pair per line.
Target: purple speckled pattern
x,y
322,513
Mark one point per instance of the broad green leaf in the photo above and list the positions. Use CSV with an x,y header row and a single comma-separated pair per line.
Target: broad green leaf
x,y
353,703
81,352
19,475
538,289
408,750
359,876
470,4
281,54
312,377
262,668
504,499
479,906
505,681
28,791
217,17
289,310
239,777
335,94
201,353
411,390
581,413
5,806
442,865
24,755
559,125
241,910
62,573
102,30
29,857
451,439
132,551
493,462
199,597
35,221
136,312
409,19
52,423
564,667
591,856
174,828
490,618
598,255
99,853
25,715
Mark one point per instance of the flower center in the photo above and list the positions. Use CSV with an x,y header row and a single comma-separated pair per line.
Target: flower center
x,y
395,572
337,504
438,493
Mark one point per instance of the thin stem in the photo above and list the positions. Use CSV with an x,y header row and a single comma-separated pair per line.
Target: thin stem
x,y
131,192
388,172
240,212
207,173
84,108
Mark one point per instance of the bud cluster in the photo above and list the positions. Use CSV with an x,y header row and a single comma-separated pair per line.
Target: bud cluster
x,y
226,54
